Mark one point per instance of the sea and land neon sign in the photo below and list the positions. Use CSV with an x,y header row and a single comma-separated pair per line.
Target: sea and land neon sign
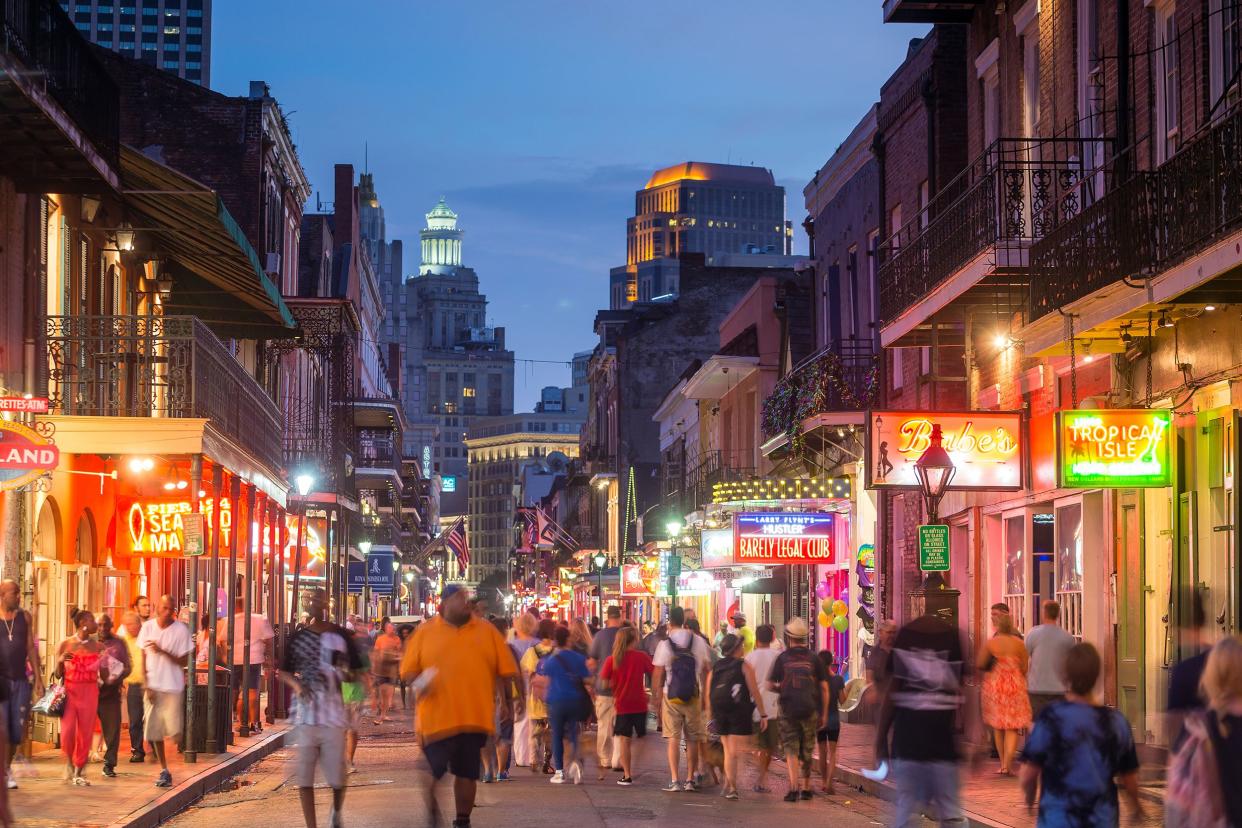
x,y
1114,449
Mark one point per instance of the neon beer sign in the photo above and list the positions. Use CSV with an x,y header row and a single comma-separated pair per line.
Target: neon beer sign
x,y
987,447
1114,448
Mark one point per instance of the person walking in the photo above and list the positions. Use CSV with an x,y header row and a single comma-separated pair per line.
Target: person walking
x,y
257,656
827,737
131,625
920,713
319,656
732,700
165,643
385,664
767,740
1047,645
744,632
524,627
801,684
721,632
580,637
1185,677
536,709
1006,706
1075,751
877,674
624,672
77,661
681,663
607,750
115,666
354,696
457,660
568,701
20,669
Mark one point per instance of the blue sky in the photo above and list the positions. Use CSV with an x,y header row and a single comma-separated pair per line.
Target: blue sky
x,y
538,120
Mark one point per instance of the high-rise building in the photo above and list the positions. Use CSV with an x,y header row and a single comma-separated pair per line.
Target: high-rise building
x,y
174,35
500,448
453,365
724,211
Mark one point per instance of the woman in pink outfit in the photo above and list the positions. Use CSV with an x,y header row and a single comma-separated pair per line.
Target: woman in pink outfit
x,y
79,665
1006,704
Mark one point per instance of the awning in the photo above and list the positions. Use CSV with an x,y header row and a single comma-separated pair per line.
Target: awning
x,y
218,265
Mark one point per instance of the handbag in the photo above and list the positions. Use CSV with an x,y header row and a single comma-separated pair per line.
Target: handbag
x,y
52,702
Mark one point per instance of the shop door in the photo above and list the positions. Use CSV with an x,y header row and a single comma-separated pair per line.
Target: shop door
x,y
1128,602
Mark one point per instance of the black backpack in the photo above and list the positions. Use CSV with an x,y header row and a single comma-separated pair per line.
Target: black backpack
x,y
729,691
798,686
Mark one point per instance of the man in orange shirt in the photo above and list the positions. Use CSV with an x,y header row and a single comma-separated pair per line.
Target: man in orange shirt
x,y
454,662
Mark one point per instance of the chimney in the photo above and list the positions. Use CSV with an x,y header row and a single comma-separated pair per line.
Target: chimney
x,y
259,90
499,334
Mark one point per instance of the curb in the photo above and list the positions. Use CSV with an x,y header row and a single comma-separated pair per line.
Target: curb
x,y
203,782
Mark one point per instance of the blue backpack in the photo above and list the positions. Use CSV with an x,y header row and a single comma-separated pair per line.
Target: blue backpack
x,y
683,675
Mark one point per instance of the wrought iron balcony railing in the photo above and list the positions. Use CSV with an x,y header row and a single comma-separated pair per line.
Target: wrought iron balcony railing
x,y
688,490
41,35
842,377
1016,192
158,366
1150,222
377,453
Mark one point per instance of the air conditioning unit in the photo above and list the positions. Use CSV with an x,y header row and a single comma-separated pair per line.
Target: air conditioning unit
x,y
273,264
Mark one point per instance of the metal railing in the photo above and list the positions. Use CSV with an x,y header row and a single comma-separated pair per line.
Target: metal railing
x,y
689,487
1017,191
377,452
158,366
1150,222
844,376
41,35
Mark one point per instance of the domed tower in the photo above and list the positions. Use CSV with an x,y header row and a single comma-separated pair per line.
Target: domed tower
x,y
441,241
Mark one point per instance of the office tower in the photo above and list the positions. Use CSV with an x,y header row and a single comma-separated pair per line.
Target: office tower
x,y
174,35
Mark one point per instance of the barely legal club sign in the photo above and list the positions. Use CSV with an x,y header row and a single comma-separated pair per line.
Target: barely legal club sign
x,y
986,447
1114,448
782,538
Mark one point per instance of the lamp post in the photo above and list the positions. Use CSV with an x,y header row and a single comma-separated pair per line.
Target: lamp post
x,y
935,471
364,546
304,482
600,560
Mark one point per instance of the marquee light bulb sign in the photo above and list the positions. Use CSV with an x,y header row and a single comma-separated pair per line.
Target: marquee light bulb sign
x,y
782,538
1114,449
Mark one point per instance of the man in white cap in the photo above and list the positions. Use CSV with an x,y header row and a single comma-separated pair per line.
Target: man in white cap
x,y
801,683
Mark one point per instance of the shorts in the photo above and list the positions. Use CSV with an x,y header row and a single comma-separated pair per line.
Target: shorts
x,y
458,755
322,745
162,715
831,733
630,725
684,719
353,715
253,679
737,722
798,740
17,709
504,732
768,740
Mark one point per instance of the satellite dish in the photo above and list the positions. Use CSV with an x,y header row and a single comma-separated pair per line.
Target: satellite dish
x,y
557,461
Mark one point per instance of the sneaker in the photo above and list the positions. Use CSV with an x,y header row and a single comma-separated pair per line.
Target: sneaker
x,y
806,795
691,787
503,776
334,819
558,778
575,773
792,796
732,795
673,787
761,789
137,758
487,779
109,772
625,781
12,783
81,782
165,780
353,768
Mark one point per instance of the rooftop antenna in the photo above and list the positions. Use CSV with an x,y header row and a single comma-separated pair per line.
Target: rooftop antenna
x,y
366,157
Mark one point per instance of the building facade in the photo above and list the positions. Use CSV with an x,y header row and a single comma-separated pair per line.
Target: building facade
x,y
172,35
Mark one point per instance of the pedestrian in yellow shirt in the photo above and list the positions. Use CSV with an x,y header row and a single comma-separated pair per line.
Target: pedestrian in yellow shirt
x,y
133,685
455,661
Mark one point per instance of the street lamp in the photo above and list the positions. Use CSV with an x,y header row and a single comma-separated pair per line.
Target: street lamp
x,y
304,482
600,559
364,546
935,471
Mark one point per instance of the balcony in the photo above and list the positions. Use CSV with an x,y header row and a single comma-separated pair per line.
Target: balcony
x,y
837,384
969,246
60,107
930,11
688,491
158,367
1147,228
377,465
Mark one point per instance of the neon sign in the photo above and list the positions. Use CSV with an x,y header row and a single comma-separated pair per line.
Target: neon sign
x,y
986,446
1114,448
25,455
157,527
782,538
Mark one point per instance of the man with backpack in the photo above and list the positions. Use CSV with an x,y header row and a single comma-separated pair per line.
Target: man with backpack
x,y
801,684
681,663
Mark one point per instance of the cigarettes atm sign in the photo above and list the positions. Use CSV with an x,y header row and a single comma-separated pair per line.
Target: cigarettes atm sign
x,y
1114,448
782,538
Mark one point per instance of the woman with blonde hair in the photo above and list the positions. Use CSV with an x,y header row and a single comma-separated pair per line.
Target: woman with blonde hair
x,y
580,637
1006,703
1202,781
524,627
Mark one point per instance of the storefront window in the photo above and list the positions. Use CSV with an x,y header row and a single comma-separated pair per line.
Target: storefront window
x,y
1069,566
1015,567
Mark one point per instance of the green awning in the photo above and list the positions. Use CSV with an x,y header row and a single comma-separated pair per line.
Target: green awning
x,y
193,227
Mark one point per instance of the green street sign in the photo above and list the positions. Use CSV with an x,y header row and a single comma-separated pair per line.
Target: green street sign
x,y
192,529
674,565
934,548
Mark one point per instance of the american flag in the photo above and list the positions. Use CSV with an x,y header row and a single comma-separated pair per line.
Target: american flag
x,y
455,540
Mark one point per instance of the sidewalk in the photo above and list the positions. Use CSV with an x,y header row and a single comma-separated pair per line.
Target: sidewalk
x,y
988,799
131,800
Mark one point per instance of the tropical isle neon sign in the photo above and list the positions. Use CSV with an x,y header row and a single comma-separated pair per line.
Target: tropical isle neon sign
x,y
1114,448
986,446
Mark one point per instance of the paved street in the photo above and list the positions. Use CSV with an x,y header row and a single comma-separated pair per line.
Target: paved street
x,y
383,793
